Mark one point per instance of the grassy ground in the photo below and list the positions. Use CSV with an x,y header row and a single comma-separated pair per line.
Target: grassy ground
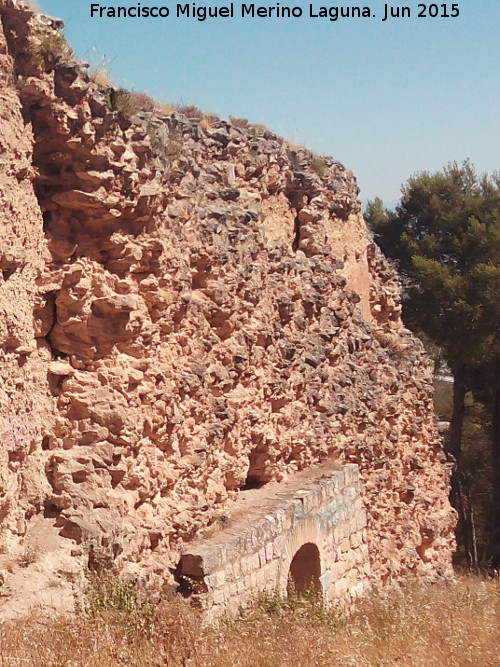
x,y
442,626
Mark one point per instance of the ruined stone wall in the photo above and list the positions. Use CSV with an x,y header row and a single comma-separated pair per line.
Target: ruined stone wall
x,y
189,307
25,401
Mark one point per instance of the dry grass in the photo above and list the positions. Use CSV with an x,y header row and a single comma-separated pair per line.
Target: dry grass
x,y
101,76
51,47
450,626
128,102
191,111
238,122
318,165
257,129
165,109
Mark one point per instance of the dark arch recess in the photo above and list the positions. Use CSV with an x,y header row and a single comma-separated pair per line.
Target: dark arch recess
x,y
305,571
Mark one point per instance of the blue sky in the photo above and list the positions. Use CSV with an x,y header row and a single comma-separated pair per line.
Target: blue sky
x,y
385,98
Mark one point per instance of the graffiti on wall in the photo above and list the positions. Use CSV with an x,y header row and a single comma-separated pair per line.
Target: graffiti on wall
x,y
341,509
18,433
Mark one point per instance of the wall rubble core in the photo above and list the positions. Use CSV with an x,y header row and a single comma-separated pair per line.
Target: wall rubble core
x,y
253,555
188,306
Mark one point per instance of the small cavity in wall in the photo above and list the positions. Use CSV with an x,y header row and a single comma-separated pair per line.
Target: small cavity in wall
x,y
256,476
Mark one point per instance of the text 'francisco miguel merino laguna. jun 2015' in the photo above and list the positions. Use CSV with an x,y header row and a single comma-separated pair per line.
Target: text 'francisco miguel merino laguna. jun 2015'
x,y
202,12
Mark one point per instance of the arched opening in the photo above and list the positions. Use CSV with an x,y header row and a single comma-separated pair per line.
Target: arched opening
x,y
305,571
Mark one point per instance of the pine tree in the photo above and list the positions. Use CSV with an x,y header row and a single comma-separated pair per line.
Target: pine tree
x,y
445,237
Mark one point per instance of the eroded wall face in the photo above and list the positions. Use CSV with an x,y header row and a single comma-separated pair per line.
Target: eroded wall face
x,y
189,306
25,401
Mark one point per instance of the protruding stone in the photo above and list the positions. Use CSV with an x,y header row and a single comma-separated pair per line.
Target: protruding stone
x,y
61,368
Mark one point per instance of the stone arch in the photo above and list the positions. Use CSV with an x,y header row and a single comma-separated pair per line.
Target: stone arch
x,y
305,571
317,519
306,543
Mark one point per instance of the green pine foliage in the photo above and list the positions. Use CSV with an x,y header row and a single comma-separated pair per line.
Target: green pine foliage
x,y
445,236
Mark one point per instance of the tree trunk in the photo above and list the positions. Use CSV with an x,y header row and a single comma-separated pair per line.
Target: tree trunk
x,y
468,525
465,524
458,412
494,541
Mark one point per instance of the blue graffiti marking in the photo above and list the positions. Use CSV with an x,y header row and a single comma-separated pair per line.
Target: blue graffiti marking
x,y
341,509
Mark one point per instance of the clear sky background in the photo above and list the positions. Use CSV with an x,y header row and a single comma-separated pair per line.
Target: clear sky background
x,y
385,98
